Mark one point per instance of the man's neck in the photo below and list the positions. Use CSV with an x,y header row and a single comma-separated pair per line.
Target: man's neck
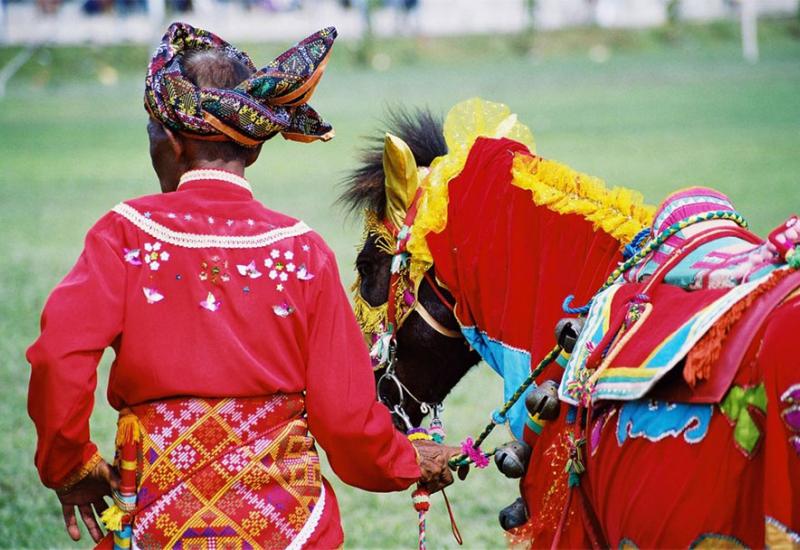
x,y
234,167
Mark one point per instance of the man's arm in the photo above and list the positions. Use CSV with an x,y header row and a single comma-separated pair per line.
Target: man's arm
x,y
82,317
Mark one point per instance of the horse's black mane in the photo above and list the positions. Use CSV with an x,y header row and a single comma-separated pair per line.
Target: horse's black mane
x,y
419,128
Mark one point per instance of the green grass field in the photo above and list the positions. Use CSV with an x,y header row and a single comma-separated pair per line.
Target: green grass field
x,y
665,110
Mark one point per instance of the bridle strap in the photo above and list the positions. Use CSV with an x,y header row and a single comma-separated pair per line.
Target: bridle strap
x,y
436,290
428,317
400,249
433,323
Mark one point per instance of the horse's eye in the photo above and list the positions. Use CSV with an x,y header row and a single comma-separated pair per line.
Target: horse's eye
x,y
364,269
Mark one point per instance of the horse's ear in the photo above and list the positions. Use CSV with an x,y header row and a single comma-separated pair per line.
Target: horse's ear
x,y
402,178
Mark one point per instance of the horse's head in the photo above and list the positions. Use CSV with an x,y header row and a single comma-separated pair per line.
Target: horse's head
x,y
418,352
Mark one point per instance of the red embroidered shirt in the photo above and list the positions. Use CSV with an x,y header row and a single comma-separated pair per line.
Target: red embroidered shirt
x,y
205,292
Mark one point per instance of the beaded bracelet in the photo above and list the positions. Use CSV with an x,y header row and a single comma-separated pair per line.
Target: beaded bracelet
x,y
419,434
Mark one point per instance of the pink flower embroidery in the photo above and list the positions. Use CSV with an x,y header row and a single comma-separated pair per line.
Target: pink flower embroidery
x,y
303,274
210,303
132,256
152,295
283,310
249,270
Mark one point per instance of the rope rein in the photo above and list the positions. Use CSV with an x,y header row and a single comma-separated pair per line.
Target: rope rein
x,y
499,416
421,498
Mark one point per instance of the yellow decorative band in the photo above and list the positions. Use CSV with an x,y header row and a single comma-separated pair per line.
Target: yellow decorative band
x,y
371,318
78,475
122,542
618,211
628,372
534,418
535,423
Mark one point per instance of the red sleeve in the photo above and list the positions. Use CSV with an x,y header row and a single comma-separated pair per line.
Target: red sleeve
x,y
82,316
362,444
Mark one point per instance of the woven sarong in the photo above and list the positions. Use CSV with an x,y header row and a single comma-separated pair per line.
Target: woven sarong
x,y
221,473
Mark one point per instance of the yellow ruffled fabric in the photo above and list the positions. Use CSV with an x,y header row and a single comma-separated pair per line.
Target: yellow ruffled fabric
x,y
618,211
466,122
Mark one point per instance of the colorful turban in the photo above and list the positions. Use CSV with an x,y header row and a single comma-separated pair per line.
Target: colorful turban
x,y
273,100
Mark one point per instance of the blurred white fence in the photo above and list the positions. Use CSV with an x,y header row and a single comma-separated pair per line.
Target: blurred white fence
x,y
25,22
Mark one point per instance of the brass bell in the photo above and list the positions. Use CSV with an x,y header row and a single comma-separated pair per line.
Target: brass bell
x,y
567,331
513,515
543,401
512,458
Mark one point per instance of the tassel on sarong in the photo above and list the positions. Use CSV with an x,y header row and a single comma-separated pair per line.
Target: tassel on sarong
x,y
117,518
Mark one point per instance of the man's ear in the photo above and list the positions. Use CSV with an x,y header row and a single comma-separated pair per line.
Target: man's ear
x,y
252,154
175,143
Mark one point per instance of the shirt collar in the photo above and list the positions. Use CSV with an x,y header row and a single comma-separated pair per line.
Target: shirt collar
x,y
217,175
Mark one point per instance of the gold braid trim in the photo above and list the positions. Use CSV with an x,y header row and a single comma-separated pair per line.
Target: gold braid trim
x,y
618,211
384,239
372,319
80,473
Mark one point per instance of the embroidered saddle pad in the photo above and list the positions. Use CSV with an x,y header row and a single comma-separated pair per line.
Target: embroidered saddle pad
x,y
678,320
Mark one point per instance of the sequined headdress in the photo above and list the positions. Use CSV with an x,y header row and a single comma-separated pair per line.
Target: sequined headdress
x,y
272,100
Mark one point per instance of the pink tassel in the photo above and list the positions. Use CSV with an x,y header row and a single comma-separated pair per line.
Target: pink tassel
x,y
475,454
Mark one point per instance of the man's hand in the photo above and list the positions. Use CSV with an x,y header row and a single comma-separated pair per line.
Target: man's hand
x,y
433,459
88,495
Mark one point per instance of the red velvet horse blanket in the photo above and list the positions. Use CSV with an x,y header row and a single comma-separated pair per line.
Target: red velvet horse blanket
x,y
658,473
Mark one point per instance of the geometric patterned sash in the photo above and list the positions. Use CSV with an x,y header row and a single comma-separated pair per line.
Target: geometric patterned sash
x,y
217,473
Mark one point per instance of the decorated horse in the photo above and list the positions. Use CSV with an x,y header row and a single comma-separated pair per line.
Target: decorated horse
x,y
648,356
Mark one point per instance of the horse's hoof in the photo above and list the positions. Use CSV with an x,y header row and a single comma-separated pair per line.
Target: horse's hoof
x,y
543,400
513,515
567,331
512,459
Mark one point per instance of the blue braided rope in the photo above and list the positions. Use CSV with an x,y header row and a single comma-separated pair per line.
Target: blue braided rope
x,y
635,245
628,252
574,310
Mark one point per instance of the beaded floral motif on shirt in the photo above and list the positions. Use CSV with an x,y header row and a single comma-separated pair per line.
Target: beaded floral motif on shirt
x,y
155,255
281,265
214,270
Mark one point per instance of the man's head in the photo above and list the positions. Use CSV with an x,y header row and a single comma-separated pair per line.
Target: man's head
x,y
173,153
211,108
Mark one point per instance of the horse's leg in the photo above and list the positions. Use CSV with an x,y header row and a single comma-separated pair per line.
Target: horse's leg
x,y
779,361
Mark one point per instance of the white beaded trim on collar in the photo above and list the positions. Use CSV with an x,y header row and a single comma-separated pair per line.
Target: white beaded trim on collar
x,y
211,174
196,240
